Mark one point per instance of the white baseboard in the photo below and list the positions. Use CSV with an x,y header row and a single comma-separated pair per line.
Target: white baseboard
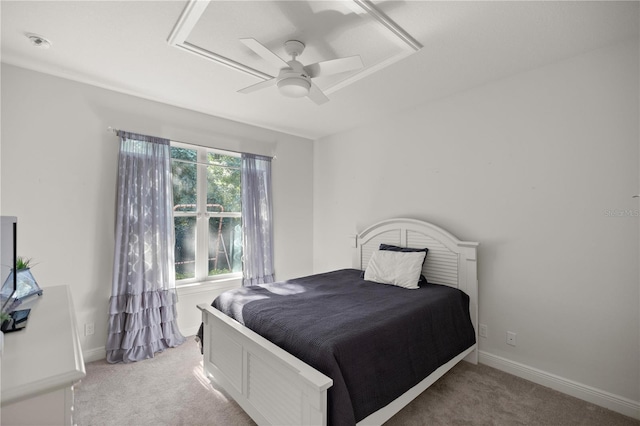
x,y
95,354
595,396
189,332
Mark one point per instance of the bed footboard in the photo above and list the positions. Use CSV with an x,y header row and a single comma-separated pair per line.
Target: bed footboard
x,y
271,385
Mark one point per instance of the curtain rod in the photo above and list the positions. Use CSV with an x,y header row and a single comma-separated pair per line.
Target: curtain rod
x,y
115,131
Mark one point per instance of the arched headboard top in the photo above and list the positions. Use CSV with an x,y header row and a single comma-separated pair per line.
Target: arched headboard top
x,y
445,250
405,226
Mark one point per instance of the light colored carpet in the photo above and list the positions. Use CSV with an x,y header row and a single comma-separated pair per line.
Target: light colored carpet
x,y
171,389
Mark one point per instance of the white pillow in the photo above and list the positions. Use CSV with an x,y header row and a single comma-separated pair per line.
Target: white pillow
x,y
396,268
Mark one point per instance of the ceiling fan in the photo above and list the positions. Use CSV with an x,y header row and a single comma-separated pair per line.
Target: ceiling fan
x,y
294,79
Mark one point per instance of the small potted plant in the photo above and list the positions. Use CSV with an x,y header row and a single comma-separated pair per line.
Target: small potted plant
x,y
23,263
27,285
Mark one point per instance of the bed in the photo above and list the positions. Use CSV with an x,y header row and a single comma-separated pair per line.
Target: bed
x,y
276,386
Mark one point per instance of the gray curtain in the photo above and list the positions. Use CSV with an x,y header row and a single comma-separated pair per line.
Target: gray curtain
x,y
257,222
142,307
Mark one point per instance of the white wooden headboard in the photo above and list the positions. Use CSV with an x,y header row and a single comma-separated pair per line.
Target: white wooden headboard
x,y
449,261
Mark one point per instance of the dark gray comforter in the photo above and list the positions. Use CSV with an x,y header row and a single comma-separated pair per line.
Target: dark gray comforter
x,y
374,340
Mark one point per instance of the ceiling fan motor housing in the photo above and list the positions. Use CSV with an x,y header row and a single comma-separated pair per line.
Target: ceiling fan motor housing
x,y
293,81
294,85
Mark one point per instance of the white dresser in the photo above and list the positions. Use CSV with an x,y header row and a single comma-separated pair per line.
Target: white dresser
x,y
41,363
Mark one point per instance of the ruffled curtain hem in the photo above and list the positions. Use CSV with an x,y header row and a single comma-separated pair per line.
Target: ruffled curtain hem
x,y
131,303
141,325
125,321
140,353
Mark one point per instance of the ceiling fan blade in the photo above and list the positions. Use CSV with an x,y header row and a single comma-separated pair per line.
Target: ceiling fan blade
x,y
264,53
316,95
258,86
334,66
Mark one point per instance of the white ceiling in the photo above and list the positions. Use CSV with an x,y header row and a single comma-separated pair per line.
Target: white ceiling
x,y
122,45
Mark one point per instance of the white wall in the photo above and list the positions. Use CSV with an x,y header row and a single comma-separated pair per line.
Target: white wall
x,y
528,166
58,174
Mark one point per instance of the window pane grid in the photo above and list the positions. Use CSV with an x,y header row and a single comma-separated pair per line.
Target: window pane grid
x,y
207,214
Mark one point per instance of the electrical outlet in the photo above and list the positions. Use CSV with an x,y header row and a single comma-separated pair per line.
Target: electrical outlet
x,y
483,330
89,329
511,338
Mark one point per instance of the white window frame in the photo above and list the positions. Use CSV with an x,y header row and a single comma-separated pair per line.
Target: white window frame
x,y
202,218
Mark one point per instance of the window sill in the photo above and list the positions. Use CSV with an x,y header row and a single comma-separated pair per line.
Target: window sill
x,y
207,286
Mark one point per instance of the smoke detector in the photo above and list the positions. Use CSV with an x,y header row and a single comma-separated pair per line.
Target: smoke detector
x,y
38,41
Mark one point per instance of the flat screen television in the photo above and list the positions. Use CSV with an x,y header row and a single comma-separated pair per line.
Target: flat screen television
x,y
9,295
8,257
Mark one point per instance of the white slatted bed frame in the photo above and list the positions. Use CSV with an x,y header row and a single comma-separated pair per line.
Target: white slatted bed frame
x,y
275,388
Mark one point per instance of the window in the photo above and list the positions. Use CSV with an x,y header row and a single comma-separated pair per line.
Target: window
x,y
207,213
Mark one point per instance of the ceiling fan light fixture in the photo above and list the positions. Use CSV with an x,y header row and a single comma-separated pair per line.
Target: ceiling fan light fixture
x,y
294,87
